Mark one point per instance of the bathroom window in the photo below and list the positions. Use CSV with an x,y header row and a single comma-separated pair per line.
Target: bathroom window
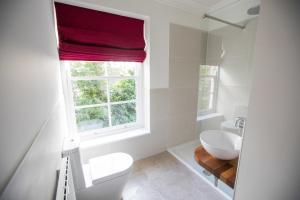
x,y
208,89
104,96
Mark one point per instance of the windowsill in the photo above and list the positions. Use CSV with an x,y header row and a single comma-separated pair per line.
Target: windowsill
x,y
208,116
101,140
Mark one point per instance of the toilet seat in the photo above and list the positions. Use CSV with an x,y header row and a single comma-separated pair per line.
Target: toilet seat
x,y
109,166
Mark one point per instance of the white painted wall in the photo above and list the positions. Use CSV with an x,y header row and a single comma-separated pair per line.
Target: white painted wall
x,y
270,161
36,176
29,82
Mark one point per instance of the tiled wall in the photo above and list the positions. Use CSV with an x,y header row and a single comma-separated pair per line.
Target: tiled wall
x,y
187,52
232,50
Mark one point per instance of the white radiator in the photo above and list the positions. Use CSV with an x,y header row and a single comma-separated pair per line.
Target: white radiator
x,y
65,187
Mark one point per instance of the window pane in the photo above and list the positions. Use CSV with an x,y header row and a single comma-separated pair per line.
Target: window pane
x,y
121,68
89,92
123,113
87,68
206,85
206,70
122,90
92,118
204,103
206,94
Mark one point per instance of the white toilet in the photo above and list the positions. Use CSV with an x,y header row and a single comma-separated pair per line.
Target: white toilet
x,y
102,178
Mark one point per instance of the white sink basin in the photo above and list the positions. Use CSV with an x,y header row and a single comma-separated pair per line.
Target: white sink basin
x,y
221,144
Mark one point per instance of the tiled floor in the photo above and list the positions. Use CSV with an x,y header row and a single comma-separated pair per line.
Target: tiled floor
x,y
163,177
185,153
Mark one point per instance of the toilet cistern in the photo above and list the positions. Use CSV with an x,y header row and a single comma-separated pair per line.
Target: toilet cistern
x,y
102,177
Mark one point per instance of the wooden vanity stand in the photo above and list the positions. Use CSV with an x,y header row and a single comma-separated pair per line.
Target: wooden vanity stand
x,y
224,170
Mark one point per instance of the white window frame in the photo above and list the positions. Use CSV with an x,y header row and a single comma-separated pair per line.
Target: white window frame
x,y
70,105
214,93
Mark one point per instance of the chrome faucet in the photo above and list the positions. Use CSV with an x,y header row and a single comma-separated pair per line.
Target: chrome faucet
x,y
240,122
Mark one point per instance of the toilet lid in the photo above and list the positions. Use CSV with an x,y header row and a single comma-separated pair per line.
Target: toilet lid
x,y
109,166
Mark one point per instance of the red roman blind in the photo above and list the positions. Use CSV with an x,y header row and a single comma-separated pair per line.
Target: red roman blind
x,y
91,35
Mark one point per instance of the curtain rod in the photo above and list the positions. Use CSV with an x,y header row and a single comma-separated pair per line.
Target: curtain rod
x,y
223,21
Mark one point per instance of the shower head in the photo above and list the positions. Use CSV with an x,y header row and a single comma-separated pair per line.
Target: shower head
x,y
254,10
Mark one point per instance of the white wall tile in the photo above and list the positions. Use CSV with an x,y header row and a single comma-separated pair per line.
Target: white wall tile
x,y
184,73
236,47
